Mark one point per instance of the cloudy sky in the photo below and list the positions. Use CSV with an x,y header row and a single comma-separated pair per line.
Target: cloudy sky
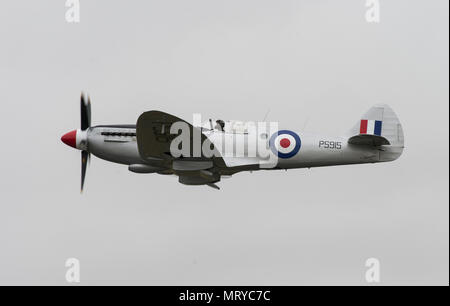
x,y
316,65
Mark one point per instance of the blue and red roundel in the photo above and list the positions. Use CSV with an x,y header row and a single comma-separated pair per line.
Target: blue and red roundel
x,y
285,143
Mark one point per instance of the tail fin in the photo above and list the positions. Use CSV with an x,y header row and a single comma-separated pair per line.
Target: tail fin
x,y
380,124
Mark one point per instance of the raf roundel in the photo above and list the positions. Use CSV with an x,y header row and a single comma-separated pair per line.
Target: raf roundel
x,y
285,143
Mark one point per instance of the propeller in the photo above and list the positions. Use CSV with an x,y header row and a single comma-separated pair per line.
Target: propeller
x,y
85,112
85,107
84,159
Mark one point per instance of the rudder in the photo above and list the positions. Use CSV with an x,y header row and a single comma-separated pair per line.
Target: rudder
x,y
381,121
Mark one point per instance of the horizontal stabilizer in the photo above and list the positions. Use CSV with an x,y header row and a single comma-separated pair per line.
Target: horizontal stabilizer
x,y
370,140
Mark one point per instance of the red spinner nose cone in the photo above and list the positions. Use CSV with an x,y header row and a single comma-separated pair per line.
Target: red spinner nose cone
x,y
70,139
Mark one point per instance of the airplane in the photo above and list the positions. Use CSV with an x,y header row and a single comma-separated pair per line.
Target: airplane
x,y
148,146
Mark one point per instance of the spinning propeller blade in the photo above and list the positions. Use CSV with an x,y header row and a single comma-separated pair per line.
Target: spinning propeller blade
x,y
85,107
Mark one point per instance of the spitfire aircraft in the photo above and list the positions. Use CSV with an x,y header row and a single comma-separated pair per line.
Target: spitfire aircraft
x,y
203,153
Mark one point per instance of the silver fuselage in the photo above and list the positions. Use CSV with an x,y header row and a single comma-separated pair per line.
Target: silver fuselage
x,y
117,144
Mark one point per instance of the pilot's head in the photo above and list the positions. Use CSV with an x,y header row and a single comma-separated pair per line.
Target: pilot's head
x,y
220,125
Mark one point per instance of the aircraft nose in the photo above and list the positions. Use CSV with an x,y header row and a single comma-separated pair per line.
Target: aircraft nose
x,y
70,138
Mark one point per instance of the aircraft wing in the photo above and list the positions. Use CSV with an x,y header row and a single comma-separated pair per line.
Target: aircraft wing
x,y
154,139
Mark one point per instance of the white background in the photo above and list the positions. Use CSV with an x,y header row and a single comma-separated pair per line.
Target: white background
x,y
314,63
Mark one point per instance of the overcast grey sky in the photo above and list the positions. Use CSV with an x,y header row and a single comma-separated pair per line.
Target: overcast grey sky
x,y
312,62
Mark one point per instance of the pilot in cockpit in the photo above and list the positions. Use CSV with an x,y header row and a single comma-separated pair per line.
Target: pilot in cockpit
x,y
220,125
